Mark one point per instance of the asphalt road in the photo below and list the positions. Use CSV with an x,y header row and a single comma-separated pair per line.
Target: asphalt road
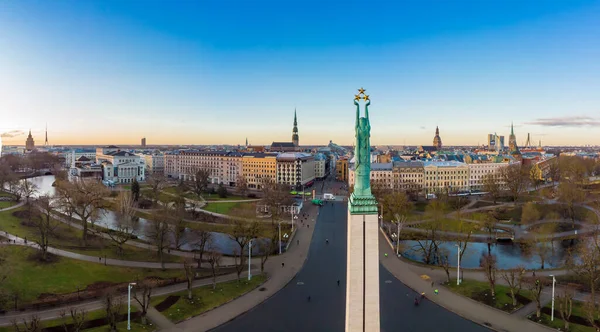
x,y
290,310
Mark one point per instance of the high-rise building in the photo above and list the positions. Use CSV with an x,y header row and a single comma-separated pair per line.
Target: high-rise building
x,y
144,142
29,143
437,140
495,142
46,141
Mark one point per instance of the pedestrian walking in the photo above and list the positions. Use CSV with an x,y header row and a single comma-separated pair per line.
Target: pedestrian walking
x,y
432,282
100,259
297,242
282,264
309,298
436,291
338,282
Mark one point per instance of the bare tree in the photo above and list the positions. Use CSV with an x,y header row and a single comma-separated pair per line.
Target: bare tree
x,y
190,273
178,225
241,185
570,194
199,182
514,280
157,183
268,247
204,239
444,261
125,214
85,199
33,324
112,306
565,305
587,267
78,317
27,190
488,264
143,298
242,233
429,245
214,260
159,233
45,224
536,287
515,178
530,213
591,312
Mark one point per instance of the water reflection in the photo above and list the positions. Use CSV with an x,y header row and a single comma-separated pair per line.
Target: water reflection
x,y
508,254
142,228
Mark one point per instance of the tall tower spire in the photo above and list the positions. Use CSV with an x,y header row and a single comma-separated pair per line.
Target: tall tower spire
x,y
46,142
512,132
295,137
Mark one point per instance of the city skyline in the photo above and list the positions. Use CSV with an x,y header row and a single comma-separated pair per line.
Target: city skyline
x,y
99,76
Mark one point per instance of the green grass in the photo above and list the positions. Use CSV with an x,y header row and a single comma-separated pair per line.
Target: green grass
x,y
136,324
5,194
7,204
480,291
420,206
480,204
228,208
69,238
205,298
558,323
32,278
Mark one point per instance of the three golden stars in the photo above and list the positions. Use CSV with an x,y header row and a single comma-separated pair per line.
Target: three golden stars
x,y
361,95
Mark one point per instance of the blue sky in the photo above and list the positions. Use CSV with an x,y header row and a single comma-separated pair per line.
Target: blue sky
x,y
205,72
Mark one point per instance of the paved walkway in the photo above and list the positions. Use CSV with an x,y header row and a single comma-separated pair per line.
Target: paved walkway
x,y
14,206
93,259
465,307
279,276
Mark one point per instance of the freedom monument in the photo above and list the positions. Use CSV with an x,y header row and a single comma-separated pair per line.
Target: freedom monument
x,y
362,274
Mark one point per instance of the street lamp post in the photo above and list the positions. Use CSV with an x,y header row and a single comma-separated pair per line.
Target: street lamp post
x,y
553,282
249,258
279,237
381,217
398,240
129,287
458,267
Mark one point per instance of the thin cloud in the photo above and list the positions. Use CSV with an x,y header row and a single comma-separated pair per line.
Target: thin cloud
x,y
423,127
575,121
13,133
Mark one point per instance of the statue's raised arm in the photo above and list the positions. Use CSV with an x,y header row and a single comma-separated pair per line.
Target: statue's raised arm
x,y
357,116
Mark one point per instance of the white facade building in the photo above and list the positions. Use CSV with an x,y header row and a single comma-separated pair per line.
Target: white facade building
x,y
120,166
320,165
295,168
478,171
155,163
451,176
224,167
74,155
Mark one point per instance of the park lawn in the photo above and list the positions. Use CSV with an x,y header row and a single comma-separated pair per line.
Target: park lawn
x,y
227,207
96,314
5,194
68,238
481,204
205,298
215,197
7,204
558,323
420,206
188,194
63,275
480,291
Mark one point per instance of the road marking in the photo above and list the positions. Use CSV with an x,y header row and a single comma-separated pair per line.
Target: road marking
x,y
300,283
388,281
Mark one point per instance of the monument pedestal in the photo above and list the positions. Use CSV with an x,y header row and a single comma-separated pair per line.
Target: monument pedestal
x,y
362,275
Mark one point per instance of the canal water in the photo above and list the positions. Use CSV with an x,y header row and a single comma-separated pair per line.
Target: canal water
x,y
142,228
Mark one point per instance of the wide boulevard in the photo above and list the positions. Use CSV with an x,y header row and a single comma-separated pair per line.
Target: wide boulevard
x,y
291,310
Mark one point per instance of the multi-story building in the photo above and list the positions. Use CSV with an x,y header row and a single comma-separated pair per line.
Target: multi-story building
x,y
29,142
478,171
295,169
495,142
224,167
257,167
72,156
408,175
441,176
341,169
320,165
155,163
120,166
381,175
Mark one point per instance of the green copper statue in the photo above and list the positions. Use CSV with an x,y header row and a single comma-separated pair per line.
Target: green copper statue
x,y
362,200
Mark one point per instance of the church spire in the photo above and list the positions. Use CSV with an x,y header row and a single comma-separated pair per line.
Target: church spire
x,y
46,142
512,132
295,137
